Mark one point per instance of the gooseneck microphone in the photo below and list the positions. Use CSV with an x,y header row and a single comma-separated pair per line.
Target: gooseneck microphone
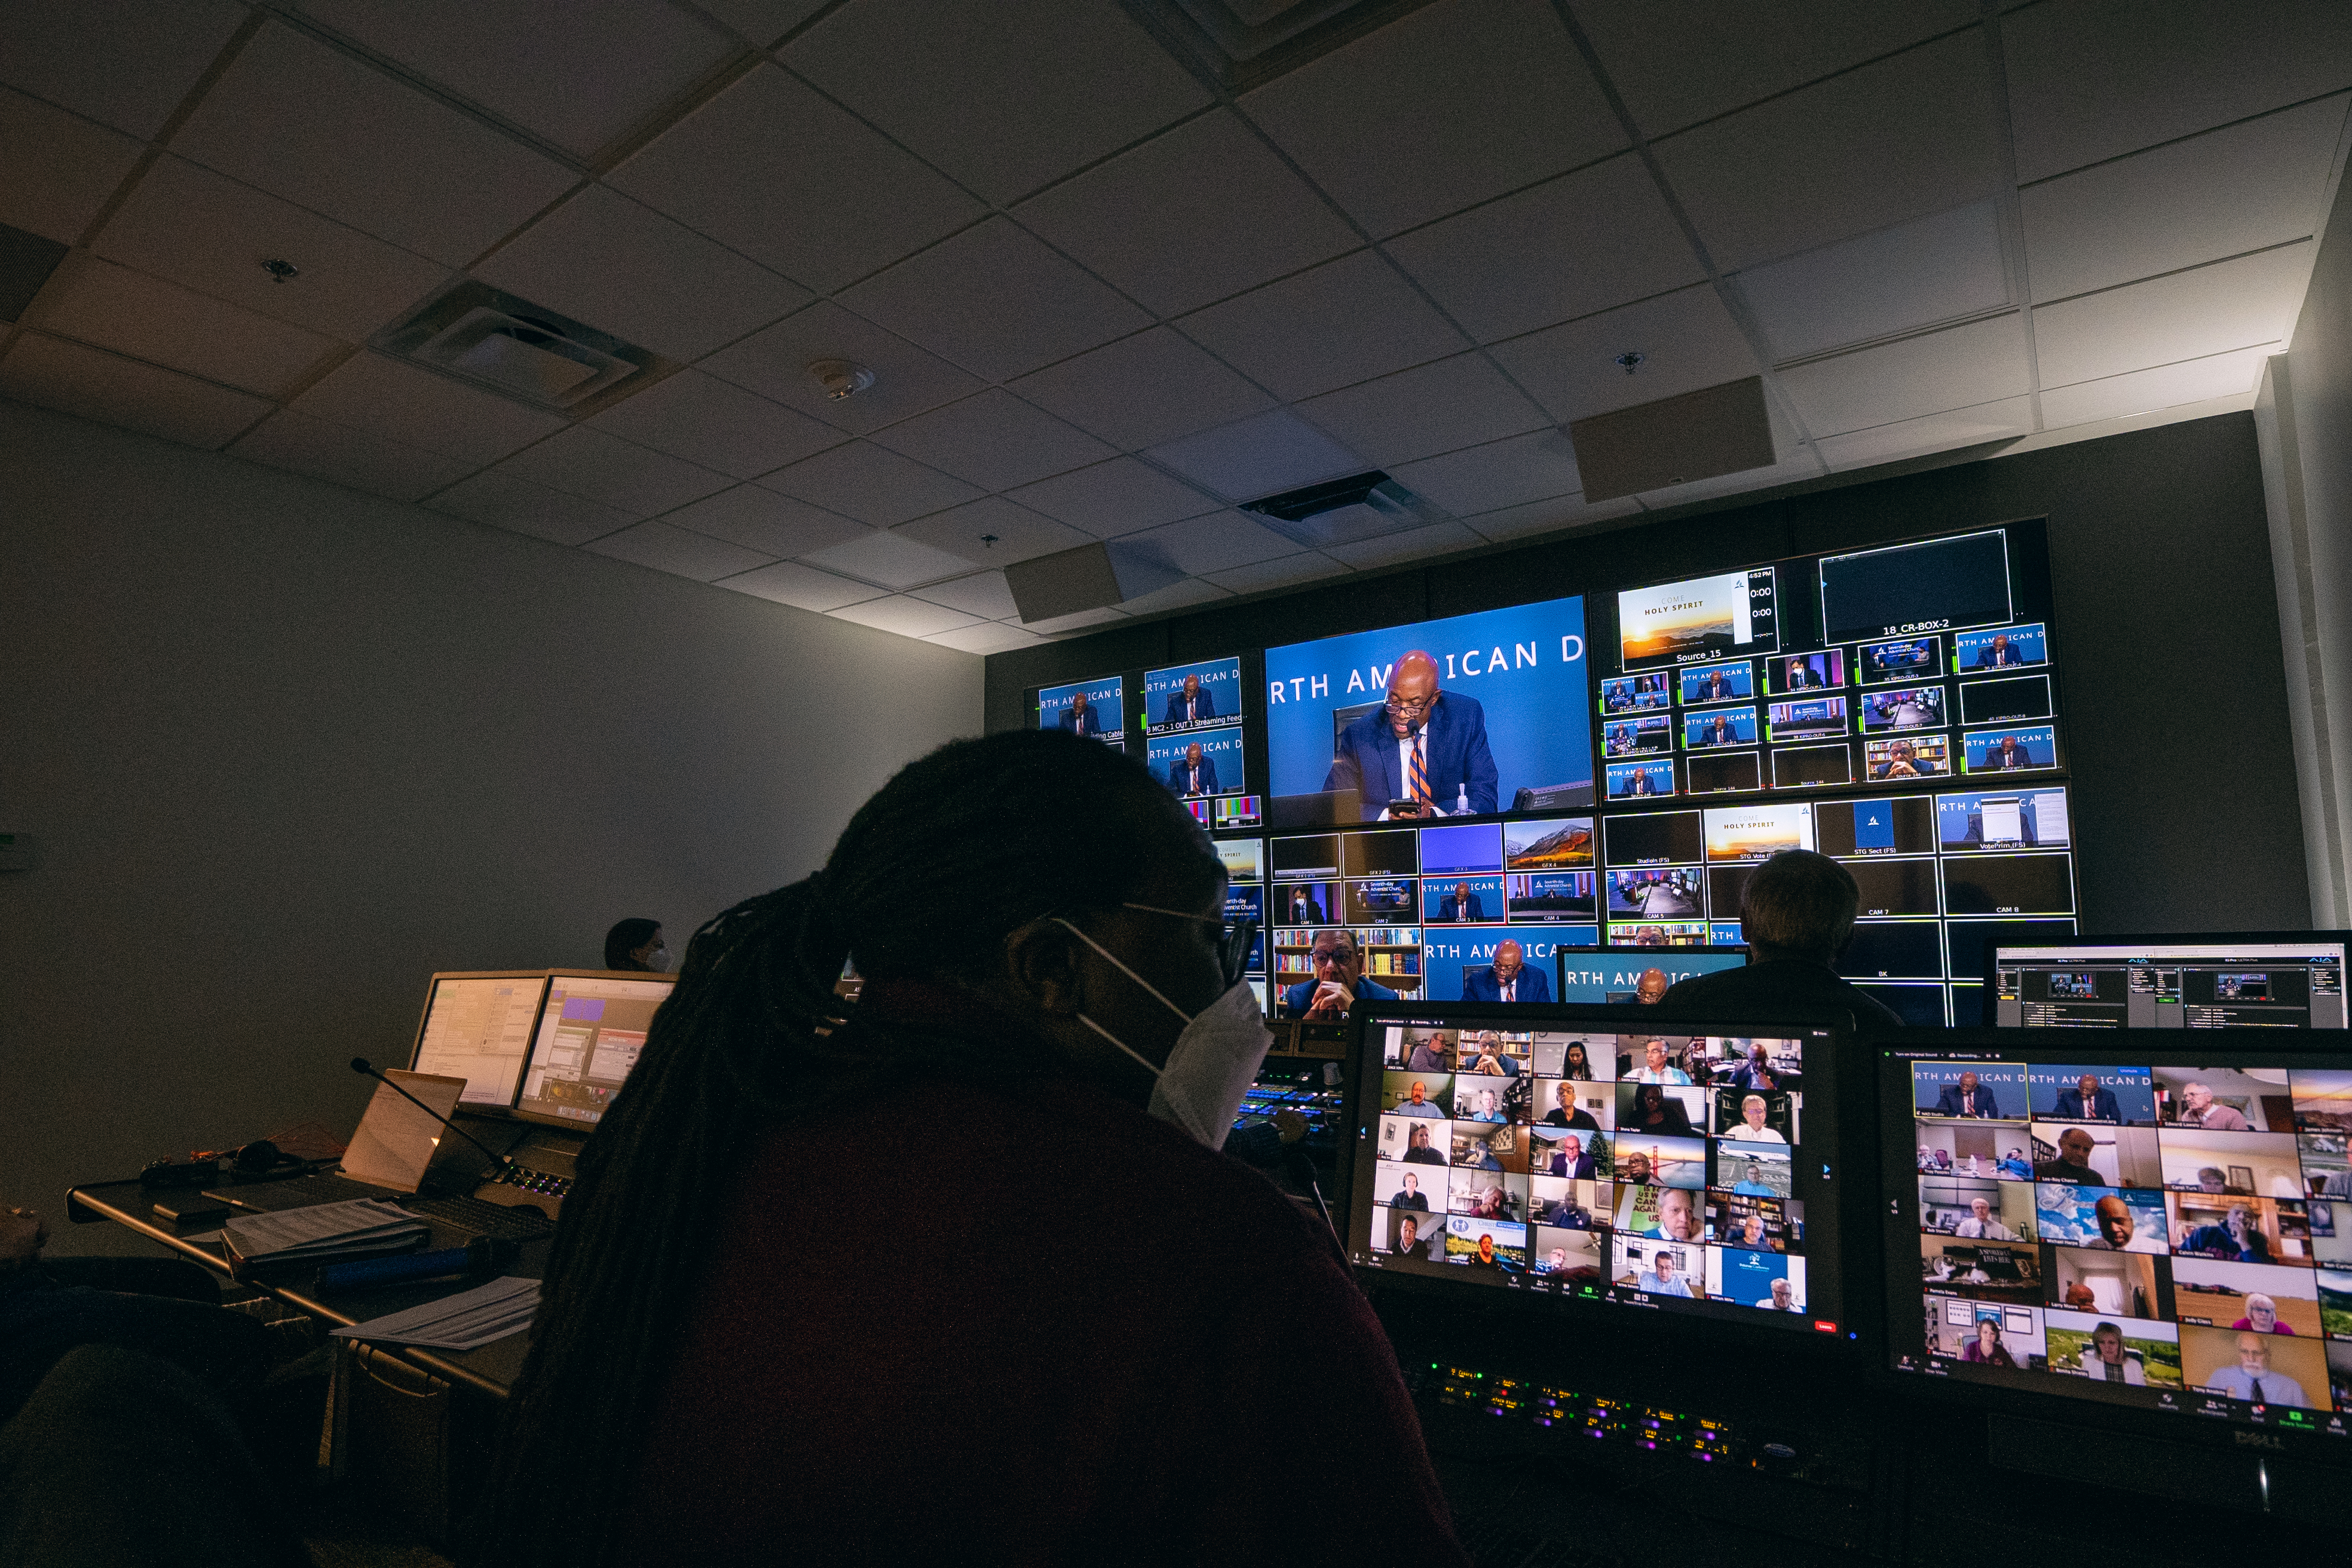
x,y
365,1068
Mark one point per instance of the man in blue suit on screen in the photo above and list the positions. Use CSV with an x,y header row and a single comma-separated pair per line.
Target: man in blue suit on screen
x,y
1420,753
2087,1101
1191,705
1966,1098
1508,980
1461,904
1192,774
1336,984
1080,718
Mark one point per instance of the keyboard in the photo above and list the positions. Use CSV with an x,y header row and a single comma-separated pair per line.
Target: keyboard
x,y
299,1192
484,1218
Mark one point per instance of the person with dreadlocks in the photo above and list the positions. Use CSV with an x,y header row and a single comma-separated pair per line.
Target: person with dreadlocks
x,y
1117,1344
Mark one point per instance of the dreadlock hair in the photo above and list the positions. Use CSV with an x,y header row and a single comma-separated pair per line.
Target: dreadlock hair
x,y
928,880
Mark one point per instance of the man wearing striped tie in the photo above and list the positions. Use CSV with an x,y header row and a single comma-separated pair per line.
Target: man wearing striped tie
x,y
1421,753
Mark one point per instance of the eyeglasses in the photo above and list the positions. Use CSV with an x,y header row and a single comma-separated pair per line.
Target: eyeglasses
x,y
1410,707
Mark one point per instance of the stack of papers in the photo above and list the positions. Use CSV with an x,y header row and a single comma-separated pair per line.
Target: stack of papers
x,y
465,1321
322,1233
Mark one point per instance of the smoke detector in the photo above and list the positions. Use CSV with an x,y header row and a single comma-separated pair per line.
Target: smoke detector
x,y
839,377
523,351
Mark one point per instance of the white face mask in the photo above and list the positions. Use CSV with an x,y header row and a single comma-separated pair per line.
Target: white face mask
x,y
1213,1063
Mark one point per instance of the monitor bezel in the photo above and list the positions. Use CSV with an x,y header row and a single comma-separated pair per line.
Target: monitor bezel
x,y
1987,1002
1857,1332
1901,1296
432,994
540,1117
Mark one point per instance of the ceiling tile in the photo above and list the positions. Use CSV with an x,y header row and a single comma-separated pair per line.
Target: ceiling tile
x,y
1115,497
2223,193
994,440
2188,315
1455,103
1192,215
1140,391
418,408
1282,573
1913,275
194,227
125,63
1676,62
360,459
985,639
760,520
113,390
1018,532
587,462
1687,340
908,618
1256,457
774,170
1437,407
1006,96
996,302
1553,515
875,487
706,421
804,587
1945,432
1218,542
1413,544
504,501
1569,247
1538,466
677,552
1901,139
2166,387
1078,622
146,318
2166,69
983,594
763,22
1175,596
774,364
1346,321
582,73
56,170
606,261
388,161
1955,368
893,560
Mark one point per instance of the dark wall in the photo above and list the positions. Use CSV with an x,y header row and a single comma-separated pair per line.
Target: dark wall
x,y
2165,634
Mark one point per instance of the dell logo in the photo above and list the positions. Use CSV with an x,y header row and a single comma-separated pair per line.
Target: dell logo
x,y
2257,1440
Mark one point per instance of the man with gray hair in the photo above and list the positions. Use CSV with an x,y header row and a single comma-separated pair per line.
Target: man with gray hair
x,y
1797,913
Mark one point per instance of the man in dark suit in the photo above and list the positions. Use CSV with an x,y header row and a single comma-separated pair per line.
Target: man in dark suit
x,y
2008,754
1570,1160
1802,677
1715,690
1461,904
1508,980
2087,1101
1719,733
1997,653
1641,785
1966,1098
1338,981
1304,909
1191,705
1080,718
1192,774
1440,736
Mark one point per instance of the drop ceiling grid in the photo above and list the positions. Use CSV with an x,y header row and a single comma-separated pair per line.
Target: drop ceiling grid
x,y
742,55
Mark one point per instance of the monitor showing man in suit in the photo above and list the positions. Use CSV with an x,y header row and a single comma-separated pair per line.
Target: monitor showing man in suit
x,y
1193,773
1338,981
2007,648
1195,764
1421,753
1190,696
1084,708
1190,704
1507,979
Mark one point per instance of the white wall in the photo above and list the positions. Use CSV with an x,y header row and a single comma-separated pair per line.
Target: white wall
x,y
290,749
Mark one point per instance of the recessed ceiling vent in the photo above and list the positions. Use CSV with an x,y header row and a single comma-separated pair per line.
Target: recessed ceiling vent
x,y
523,351
1341,512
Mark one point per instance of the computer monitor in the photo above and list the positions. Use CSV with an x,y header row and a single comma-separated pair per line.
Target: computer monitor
x,y
2135,1227
1612,975
2278,980
477,1027
591,1031
1575,1157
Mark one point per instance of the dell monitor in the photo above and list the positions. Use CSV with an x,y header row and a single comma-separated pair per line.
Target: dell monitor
x,y
1575,1159
2137,1229
2276,980
477,1027
591,1031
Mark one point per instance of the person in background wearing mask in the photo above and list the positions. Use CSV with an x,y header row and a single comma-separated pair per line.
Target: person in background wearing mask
x,y
636,945
704,1386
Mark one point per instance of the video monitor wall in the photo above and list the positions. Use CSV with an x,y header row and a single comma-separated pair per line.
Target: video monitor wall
x,y
2294,982
1585,1162
2127,1224
1193,739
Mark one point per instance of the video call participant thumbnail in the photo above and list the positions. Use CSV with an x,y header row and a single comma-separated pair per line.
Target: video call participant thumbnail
x,y
1508,978
1338,981
1421,753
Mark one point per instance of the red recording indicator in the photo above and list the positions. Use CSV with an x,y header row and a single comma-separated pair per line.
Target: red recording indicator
x,y
1823,1326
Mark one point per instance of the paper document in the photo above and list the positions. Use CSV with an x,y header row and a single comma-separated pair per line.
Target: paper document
x,y
465,1321
320,1228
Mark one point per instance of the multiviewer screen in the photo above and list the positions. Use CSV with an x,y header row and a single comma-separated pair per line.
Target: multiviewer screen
x,y
2125,1226
590,1034
2185,984
477,1027
1668,1171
